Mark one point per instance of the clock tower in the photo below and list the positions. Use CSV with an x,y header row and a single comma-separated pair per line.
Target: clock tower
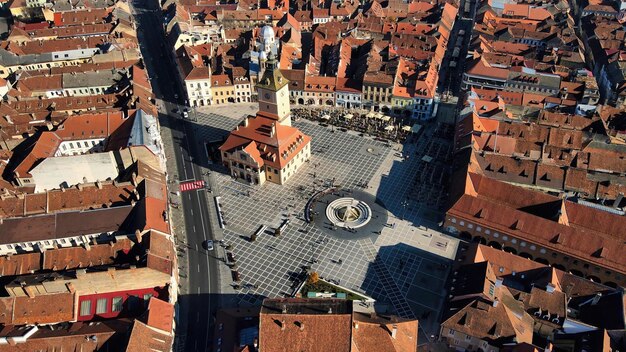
x,y
273,93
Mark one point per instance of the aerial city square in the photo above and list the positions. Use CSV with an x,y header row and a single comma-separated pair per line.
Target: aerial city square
x,y
303,176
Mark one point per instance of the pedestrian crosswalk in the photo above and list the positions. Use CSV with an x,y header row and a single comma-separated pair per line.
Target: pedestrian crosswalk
x,y
192,185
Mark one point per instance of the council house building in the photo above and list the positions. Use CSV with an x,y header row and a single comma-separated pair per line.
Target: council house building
x,y
266,147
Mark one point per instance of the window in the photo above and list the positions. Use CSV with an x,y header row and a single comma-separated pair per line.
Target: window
x,y
85,308
116,306
451,332
101,306
147,296
467,337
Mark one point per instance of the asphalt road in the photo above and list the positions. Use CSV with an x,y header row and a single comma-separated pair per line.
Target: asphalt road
x,y
198,301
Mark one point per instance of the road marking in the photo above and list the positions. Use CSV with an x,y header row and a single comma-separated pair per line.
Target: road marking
x,y
194,228
198,267
198,289
191,210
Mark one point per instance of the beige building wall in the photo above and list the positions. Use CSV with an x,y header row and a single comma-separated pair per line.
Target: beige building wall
x,y
456,339
223,95
242,165
282,176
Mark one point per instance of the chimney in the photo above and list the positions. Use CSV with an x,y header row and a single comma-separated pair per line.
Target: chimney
x,y
70,287
98,184
301,326
498,282
550,287
330,310
356,325
273,133
245,121
495,302
282,325
284,310
138,235
394,331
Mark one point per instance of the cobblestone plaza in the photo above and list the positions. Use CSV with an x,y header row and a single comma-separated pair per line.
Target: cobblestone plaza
x,y
403,267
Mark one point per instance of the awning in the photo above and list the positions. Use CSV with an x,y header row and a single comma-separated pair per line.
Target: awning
x,y
348,116
385,118
416,128
389,128
406,128
325,117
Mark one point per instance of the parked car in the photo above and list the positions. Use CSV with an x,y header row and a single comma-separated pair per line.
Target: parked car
x,y
208,245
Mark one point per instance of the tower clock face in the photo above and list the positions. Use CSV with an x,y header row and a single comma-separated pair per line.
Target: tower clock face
x,y
267,95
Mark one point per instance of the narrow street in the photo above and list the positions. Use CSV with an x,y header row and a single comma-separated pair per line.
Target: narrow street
x,y
199,290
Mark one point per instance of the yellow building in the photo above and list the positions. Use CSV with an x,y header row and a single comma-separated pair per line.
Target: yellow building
x,y
222,90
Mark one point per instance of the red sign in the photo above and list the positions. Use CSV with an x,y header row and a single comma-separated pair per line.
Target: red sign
x,y
191,186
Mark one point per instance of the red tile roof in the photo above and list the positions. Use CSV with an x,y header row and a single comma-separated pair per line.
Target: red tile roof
x,y
316,329
586,233
285,141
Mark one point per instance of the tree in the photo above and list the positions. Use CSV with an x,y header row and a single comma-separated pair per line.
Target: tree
x,y
313,278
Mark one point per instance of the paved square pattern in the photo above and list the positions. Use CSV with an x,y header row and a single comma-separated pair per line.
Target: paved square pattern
x,y
407,264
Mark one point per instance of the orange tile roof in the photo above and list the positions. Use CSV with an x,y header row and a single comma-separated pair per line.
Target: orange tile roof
x,y
286,140
374,335
587,233
160,315
481,68
310,329
96,125
80,257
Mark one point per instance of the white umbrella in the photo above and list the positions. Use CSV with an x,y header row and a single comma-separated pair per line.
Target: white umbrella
x,y
389,128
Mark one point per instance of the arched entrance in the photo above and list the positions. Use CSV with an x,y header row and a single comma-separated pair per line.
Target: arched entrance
x,y
542,261
329,102
301,101
576,272
479,239
594,279
526,255
510,250
465,236
494,244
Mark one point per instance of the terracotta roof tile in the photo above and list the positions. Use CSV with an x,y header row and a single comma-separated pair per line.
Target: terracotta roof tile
x,y
308,325
374,335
